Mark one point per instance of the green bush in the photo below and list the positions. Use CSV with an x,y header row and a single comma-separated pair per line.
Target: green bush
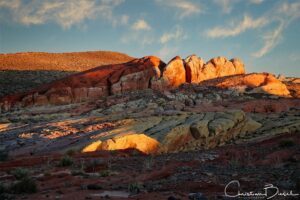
x,y
25,185
71,152
65,161
20,173
134,188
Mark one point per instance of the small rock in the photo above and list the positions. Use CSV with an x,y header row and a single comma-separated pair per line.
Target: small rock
x,y
199,95
189,102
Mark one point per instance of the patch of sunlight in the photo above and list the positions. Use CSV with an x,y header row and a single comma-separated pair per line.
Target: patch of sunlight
x,y
140,142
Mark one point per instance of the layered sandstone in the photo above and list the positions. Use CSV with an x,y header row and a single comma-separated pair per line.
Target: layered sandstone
x,y
138,74
198,71
183,132
90,85
252,83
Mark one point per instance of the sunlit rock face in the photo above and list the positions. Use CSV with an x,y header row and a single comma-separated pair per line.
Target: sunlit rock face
x,y
254,83
140,142
174,72
187,131
92,84
197,70
194,67
149,73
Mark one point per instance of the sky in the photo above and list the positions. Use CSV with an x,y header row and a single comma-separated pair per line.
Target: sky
x,y
265,34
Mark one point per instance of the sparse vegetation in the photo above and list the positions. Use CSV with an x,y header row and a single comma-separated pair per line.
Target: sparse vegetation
x,y
3,155
148,163
286,143
234,163
71,152
134,188
92,164
20,173
65,161
3,188
25,185
106,173
135,152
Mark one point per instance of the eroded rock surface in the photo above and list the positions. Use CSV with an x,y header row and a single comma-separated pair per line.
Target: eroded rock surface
x,y
138,74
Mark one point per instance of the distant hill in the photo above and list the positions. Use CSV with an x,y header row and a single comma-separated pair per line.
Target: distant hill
x,y
75,61
20,72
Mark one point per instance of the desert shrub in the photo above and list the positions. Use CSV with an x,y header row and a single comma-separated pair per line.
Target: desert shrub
x,y
20,173
3,188
25,185
107,172
286,143
234,163
134,188
3,155
71,152
4,192
148,163
91,165
65,161
135,152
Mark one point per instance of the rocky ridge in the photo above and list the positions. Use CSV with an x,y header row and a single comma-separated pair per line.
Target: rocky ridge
x,y
151,106
147,72
202,124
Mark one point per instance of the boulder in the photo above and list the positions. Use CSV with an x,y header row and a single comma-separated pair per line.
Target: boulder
x,y
174,72
220,67
140,142
193,67
199,129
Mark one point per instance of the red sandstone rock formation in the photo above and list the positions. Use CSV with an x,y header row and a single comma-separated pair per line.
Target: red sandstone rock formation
x,y
253,83
197,71
138,74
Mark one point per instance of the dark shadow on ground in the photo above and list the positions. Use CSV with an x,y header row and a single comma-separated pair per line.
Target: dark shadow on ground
x,y
15,81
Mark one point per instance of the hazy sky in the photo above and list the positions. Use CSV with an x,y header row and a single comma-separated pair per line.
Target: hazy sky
x,y
263,33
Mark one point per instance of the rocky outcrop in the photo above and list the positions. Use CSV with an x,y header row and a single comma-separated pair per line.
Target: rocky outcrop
x,y
193,67
253,83
174,72
91,85
197,71
293,85
176,133
138,74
